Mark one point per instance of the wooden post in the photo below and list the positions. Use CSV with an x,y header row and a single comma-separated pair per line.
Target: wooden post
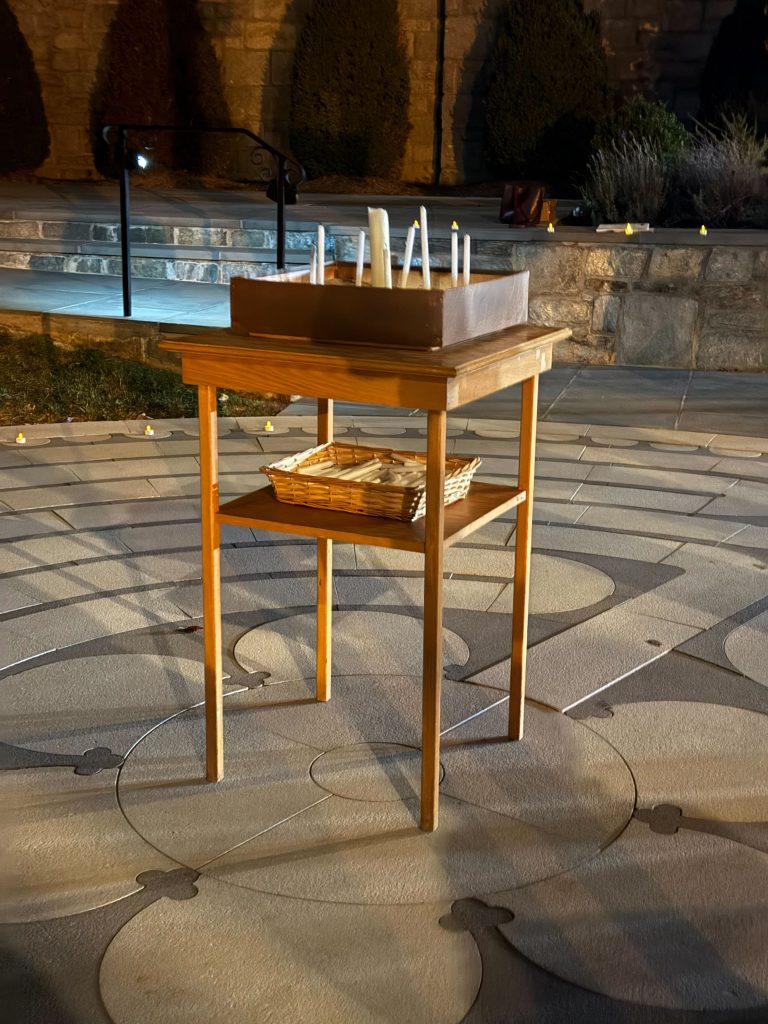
x,y
433,621
324,575
211,531
523,535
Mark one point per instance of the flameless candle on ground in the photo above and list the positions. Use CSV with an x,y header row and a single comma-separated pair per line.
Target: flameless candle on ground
x,y
409,238
466,259
20,439
360,258
424,247
320,254
149,431
454,254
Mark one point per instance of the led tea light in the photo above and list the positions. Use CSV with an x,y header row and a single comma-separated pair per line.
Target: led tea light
x,y
20,439
703,230
629,230
550,228
149,430
268,426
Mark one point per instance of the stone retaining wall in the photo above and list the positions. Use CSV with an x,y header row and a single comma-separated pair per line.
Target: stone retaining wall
x,y
702,306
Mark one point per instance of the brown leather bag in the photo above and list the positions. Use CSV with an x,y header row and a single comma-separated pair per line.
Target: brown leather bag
x,y
522,203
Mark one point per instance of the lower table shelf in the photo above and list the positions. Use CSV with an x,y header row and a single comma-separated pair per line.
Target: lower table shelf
x,y
262,510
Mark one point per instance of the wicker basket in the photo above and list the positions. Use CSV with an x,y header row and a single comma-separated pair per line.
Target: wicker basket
x,y
363,498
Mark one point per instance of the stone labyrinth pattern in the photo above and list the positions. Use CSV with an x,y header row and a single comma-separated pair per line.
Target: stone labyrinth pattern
x,y
611,867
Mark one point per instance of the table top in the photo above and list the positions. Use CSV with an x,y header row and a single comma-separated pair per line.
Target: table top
x,y
434,379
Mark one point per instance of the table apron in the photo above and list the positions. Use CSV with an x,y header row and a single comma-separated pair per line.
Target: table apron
x,y
346,383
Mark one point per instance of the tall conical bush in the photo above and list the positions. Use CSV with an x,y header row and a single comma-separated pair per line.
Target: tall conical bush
x,y
157,66
349,98
548,89
24,138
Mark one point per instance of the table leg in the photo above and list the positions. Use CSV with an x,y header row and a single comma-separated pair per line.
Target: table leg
x,y
211,531
324,575
433,621
523,533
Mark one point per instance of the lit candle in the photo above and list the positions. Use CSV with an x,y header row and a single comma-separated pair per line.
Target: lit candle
x,y
629,230
320,254
424,247
387,267
20,439
360,257
551,228
454,254
378,230
268,426
408,254
703,230
149,430
313,264
466,266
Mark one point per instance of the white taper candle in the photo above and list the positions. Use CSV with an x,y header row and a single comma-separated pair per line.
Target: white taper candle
x,y
454,254
313,264
409,238
466,260
378,229
424,247
320,254
360,257
387,266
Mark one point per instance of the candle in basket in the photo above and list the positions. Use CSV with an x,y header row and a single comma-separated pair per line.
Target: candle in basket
x,y
378,230
320,254
409,238
424,247
454,254
360,257
466,263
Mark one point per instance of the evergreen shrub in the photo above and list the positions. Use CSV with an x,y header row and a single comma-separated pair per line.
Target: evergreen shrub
x,y
158,66
24,138
648,122
350,90
548,89
735,78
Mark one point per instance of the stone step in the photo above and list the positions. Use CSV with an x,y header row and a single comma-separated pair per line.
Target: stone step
x,y
203,266
150,251
240,235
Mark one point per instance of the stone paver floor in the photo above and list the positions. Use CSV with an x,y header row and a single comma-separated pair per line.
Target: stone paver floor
x,y
611,867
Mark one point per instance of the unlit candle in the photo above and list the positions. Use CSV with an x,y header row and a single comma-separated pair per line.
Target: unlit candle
x,y
424,247
313,264
320,254
378,230
454,254
409,238
466,262
360,257
387,267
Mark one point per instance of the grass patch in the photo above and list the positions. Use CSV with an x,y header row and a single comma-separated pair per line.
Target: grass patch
x,y
40,383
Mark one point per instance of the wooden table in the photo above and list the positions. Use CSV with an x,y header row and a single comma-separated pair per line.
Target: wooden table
x,y
437,381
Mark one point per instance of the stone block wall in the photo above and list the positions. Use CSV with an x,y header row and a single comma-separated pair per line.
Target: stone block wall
x,y
700,307
652,45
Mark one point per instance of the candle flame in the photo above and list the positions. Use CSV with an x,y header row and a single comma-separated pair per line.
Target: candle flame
x,y
551,228
455,226
703,229
416,224
629,230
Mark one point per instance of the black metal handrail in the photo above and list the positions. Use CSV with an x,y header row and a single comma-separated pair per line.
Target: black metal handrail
x,y
281,182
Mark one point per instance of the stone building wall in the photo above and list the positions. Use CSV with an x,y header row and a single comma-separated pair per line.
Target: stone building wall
x,y
652,45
